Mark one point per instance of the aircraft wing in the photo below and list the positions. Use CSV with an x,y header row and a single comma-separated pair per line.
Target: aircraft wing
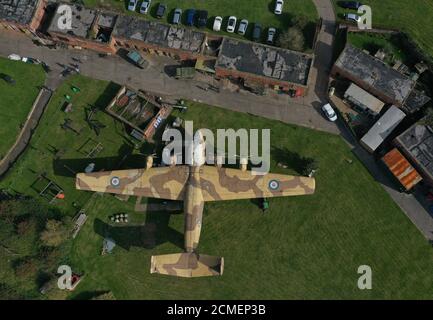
x,y
230,184
164,182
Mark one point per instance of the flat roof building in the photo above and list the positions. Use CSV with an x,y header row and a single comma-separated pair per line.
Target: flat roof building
x,y
373,75
158,35
89,28
416,143
81,24
363,100
382,128
23,14
270,64
401,169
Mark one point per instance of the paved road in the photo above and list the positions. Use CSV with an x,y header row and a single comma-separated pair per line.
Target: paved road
x,y
279,107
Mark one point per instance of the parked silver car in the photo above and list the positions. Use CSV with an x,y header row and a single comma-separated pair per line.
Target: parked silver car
x,y
145,5
177,16
271,35
132,5
243,25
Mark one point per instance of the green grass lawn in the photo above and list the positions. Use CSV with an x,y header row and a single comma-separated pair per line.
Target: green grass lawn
x,y
303,247
54,147
411,17
16,100
373,42
260,11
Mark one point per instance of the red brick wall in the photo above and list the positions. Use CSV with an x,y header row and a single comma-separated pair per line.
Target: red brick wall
x,y
84,43
225,73
142,46
38,16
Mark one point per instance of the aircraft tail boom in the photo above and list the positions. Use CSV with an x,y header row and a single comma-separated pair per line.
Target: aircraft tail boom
x,y
187,265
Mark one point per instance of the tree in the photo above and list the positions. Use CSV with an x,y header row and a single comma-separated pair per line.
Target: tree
x,y
292,39
428,119
26,268
55,233
310,165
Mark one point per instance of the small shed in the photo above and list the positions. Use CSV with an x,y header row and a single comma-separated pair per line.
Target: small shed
x,y
382,128
401,169
363,100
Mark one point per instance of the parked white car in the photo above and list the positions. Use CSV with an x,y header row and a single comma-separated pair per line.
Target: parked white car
x,y
217,23
279,7
243,25
329,112
14,57
132,5
145,5
352,17
231,24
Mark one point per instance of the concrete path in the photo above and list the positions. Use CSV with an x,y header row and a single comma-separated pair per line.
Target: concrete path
x,y
154,79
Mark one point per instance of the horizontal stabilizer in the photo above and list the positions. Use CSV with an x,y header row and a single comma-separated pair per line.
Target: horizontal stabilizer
x,y
187,265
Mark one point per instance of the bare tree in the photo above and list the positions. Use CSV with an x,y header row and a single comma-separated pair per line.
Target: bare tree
x,y
292,39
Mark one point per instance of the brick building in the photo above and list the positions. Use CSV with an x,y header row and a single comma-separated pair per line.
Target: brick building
x,y
154,37
90,29
22,15
262,64
241,61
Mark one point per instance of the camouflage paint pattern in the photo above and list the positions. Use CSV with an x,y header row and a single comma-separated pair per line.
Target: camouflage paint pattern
x,y
194,185
187,265
193,210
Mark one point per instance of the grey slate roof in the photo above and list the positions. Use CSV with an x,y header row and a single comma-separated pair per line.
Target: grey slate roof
x,y
19,11
375,73
417,141
415,101
82,19
262,60
382,128
159,34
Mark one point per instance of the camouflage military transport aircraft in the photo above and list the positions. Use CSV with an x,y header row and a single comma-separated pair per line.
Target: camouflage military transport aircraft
x,y
194,185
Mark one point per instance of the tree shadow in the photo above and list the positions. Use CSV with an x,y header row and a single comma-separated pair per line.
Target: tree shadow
x,y
292,159
107,95
70,167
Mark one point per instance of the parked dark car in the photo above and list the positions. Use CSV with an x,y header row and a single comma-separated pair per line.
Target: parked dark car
x,y
190,14
201,18
257,32
161,10
350,4
8,79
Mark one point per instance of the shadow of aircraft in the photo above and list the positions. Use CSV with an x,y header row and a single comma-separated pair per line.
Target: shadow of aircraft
x,y
154,232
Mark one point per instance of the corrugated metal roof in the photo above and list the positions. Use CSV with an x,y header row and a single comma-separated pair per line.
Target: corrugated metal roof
x,y
360,96
382,128
401,169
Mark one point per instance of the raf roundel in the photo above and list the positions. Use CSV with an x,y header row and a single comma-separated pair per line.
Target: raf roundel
x,y
115,181
274,185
